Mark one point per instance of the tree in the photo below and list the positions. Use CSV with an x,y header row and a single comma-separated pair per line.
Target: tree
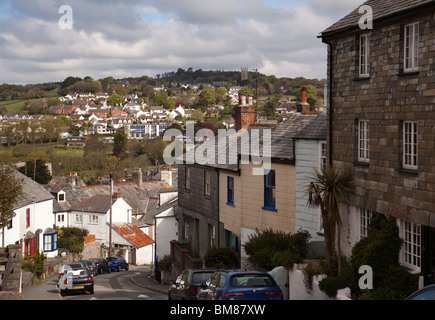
x,y
114,100
328,189
10,190
120,143
37,170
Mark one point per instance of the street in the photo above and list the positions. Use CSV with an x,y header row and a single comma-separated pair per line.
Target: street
x,y
107,286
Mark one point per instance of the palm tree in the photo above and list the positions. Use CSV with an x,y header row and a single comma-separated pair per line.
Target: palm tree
x,y
328,189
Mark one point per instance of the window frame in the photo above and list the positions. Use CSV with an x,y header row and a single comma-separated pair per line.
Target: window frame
x,y
411,251
323,154
27,217
410,145
363,148
187,178
410,50
230,190
52,245
268,205
207,184
364,56
365,217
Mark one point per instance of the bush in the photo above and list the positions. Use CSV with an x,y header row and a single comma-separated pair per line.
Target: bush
x,y
270,249
221,258
34,264
165,264
380,250
71,239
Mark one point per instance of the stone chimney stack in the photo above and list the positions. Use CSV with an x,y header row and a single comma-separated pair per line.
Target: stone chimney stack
x,y
136,176
245,112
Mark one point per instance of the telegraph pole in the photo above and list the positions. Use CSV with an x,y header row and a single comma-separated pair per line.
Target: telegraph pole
x,y
110,218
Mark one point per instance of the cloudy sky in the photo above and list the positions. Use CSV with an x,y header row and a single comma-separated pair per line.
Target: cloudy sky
x,y
148,37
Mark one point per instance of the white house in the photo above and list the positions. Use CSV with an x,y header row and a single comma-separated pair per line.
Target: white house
x,y
93,214
310,152
31,224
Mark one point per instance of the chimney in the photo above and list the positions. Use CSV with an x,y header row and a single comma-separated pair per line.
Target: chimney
x,y
245,112
117,195
166,175
136,176
303,105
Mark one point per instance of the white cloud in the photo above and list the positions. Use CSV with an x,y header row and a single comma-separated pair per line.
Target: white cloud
x,y
133,38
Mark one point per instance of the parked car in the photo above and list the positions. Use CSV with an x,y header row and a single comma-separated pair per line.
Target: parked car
x,y
187,283
240,285
75,280
71,266
91,266
426,293
117,263
102,265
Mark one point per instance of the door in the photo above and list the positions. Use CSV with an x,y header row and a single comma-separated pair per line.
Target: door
x,y
428,255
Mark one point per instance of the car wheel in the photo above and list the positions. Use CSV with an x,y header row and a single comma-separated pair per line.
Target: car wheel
x,y
126,268
169,296
119,269
62,293
91,291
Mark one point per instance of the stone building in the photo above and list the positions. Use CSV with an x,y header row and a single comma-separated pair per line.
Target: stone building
x,y
381,121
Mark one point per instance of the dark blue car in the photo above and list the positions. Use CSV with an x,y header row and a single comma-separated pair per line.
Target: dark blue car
x,y
117,263
240,285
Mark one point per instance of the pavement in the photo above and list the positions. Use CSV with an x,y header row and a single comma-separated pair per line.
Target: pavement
x,y
144,277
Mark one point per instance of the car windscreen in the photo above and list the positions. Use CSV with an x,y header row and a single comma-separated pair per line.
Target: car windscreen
x,y
251,281
111,259
201,276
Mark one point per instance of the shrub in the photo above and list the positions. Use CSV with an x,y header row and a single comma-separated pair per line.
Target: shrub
x,y
270,249
221,258
165,264
380,250
71,239
34,264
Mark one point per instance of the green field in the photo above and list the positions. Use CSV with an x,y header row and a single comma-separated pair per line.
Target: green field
x,y
15,106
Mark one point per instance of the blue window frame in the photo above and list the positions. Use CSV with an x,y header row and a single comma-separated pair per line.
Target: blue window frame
x,y
50,242
269,191
230,191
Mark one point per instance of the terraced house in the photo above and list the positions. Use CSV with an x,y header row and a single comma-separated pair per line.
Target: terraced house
x,y
381,121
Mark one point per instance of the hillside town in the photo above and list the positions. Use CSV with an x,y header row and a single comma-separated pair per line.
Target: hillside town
x,y
310,193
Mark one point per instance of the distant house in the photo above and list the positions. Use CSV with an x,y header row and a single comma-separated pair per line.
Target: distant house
x,y
77,141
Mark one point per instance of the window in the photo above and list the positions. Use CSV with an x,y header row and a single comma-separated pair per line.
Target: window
x,y
411,48
93,219
364,222
269,191
410,145
411,244
50,242
79,218
230,190
27,217
187,178
323,159
207,184
211,236
61,197
61,218
363,140
364,56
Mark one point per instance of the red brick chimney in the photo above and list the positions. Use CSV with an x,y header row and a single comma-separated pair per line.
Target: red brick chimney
x,y
245,112
303,106
117,195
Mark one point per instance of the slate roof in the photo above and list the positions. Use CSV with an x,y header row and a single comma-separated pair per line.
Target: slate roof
x,y
382,9
133,234
97,203
315,130
32,192
281,148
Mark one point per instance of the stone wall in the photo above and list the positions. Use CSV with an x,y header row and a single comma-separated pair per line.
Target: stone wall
x,y
386,99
